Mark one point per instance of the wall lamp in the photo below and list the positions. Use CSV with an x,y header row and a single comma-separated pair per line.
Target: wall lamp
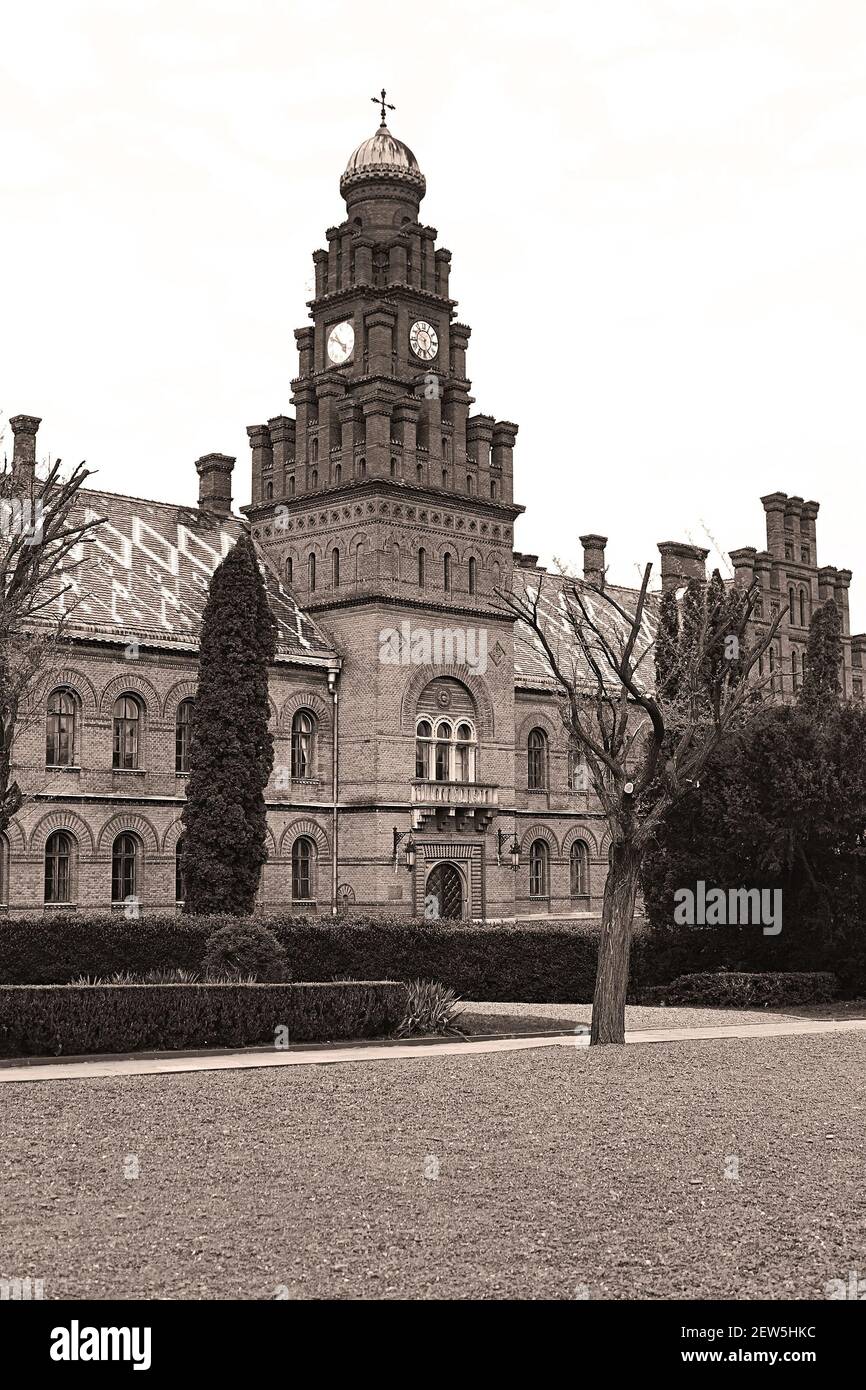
x,y
513,849
409,851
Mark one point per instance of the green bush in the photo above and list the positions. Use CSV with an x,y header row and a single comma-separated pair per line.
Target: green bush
x,y
69,1020
532,962
430,1008
744,990
244,948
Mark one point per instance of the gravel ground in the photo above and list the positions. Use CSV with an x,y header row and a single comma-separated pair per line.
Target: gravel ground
x,y
521,1175
637,1017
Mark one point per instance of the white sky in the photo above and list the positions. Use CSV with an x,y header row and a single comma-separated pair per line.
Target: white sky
x,y
657,211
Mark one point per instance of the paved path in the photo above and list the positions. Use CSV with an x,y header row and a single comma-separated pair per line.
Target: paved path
x,y
240,1061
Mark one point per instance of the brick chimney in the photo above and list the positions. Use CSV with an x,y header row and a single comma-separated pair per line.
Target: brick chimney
x,y
593,559
681,562
24,429
215,483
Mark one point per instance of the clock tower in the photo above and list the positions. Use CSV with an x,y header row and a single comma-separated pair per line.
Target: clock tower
x,y
387,507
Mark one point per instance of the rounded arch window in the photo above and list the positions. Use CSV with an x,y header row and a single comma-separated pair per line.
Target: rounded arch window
x,y
303,744
335,567
183,736
536,750
578,863
61,733
179,885
473,574
539,869
290,565
303,869
393,468
314,478
59,864
446,572
802,607
311,573
127,731
269,492
422,567
125,867
338,473
445,751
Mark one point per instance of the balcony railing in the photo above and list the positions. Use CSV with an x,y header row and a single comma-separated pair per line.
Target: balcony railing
x,y
454,794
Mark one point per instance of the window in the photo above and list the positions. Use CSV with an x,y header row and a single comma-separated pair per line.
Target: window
x,y
362,468
446,753
789,551
127,733
314,451
269,492
393,468
311,573
539,866
804,554
125,860
791,615
537,760
303,736
335,568
303,860
470,484
473,574
289,568
360,554
58,867
802,607
423,744
338,473
578,862
61,732
446,572
291,484
858,688
314,478
422,567
444,477
794,680
493,489
419,473
179,888
578,778
182,736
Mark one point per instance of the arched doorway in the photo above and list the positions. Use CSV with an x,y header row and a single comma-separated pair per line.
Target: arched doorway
x,y
445,885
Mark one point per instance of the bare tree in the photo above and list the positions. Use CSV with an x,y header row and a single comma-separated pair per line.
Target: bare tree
x,y
645,742
41,529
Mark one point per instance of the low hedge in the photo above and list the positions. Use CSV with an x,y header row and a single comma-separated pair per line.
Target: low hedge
x,y
747,990
533,962
662,954
53,1020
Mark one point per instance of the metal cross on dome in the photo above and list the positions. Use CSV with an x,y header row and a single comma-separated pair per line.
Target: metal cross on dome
x,y
380,101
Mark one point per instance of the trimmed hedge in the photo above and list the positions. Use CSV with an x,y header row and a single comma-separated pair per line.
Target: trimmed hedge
x,y
54,1020
541,963
746,990
663,954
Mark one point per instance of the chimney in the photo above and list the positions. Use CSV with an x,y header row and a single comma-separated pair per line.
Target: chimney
x,y
24,429
593,559
681,562
215,483
744,565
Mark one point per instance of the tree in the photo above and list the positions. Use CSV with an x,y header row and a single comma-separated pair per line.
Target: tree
x,y
43,535
232,752
819,693
645,750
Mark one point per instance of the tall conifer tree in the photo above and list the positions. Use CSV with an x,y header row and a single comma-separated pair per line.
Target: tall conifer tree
x,y
231,755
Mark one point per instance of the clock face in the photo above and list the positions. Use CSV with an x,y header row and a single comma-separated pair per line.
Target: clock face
x,y
341,343
423,340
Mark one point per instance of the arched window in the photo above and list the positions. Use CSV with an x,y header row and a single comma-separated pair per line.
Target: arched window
x,y
423,745
470,484
311,573
362,468
179,887
269,492
61,736
182,736
446,572
539,869
127,732
314,449
58,867
314,478
794,671
495,574
303,739
338,473
473,574
464,759
125,867
359,561
578,862
335,567
493,488
791,615
393,468
422,567
289,568
303,867
419,473
395,561
536,749
802,607
291,484
444,477
444,735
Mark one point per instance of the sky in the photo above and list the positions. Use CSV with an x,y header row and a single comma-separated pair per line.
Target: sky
x,y
656,209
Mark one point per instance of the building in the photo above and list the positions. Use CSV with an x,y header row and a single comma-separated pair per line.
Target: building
x,y
405,700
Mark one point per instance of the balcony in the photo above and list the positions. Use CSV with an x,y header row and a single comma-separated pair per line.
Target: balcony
x,y
455,805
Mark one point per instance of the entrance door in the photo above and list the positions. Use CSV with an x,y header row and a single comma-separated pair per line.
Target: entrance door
x,y
446,886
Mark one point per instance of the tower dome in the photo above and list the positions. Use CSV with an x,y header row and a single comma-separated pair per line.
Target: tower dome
x,y
382,156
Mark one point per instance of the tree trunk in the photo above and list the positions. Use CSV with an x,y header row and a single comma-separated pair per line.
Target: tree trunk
x,y
611,981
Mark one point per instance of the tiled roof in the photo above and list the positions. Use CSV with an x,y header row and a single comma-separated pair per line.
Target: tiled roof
x,y
146,572
530,663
